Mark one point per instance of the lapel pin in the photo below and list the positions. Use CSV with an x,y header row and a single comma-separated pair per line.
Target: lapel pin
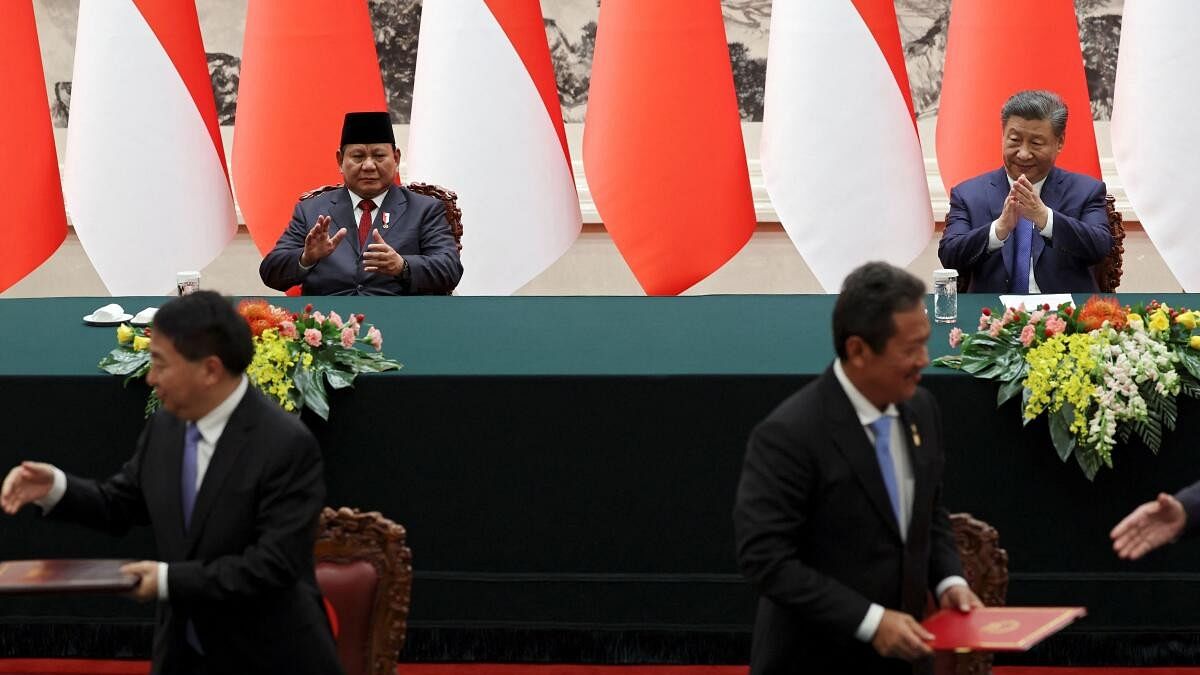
x,y
386,217
916,435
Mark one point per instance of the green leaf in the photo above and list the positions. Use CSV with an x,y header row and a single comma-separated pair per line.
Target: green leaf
x,y
1089,462
1190,361
953,361
1008,390
312,392
1060,431
123,362
339,379
1150,432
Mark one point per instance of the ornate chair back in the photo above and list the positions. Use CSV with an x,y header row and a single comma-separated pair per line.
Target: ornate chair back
x,y
985,566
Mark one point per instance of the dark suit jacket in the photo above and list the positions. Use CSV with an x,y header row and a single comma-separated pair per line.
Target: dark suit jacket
x,y
417,229
1080,238
817,537
243,572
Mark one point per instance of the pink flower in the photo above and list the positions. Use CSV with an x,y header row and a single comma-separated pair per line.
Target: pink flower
x,y
1055,325
335,319
375,338
1010,315
1037,316
348,337
313,337
1028,335
984,320
287,329
956,335
318,317
997,326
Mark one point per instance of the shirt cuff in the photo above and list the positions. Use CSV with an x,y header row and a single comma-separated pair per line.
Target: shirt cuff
x,y
870,623
304,268
55,495
994,242
162,582
948,582
1048,230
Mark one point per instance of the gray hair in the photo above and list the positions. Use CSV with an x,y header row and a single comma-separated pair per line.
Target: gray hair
x,y
1037,104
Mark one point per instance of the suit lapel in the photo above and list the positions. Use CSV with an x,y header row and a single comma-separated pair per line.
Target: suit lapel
x,y
851,439
224,459
394,205
341,211
918,456
1051,192
999,192
174,489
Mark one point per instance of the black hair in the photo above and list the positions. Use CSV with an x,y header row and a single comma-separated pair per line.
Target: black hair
x,y
204,324
870,296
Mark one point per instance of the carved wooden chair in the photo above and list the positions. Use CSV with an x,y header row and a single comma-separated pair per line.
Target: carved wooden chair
x,y
450,200
985,566
365,573
1108,272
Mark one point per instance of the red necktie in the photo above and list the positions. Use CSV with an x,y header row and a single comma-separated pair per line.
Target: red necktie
x,y
364,223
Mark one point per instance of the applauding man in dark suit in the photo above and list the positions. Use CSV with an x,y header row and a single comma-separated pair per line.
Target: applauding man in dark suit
x,y
232,487
839,518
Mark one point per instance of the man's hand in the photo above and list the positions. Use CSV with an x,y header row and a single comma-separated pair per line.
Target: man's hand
x,y
1030,203
1149,526
25,483
1007,222
961,598
381,258
147,573
318,244
900,636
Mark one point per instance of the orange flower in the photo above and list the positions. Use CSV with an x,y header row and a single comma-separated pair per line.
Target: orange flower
x,y
260,315
1097,310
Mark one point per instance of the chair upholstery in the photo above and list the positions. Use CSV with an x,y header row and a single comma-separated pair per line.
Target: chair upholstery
x,y
1108,272
365,573
985,566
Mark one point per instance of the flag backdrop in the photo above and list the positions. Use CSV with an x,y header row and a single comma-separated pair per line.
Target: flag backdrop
x,y
145,173
662,145
505,156
38,222
993,50
1156,142
839,149
305,64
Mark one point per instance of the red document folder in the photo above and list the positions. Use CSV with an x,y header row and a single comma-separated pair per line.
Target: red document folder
x,y
69,576
997,629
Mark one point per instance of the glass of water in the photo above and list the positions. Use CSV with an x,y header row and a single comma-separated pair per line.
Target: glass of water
x,y
945,295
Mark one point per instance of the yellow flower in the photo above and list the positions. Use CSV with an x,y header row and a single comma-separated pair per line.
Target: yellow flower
x,y
1194,342
1134,320
1187,320
140,343
1159,321
124,334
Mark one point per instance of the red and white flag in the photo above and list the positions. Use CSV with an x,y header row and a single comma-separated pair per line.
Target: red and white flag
x,y
662,145
145,172
994,50
840,154
1156,142
506,155
39,224
305,64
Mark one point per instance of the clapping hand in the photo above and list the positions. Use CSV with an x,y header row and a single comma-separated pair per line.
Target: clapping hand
x,y
1030,203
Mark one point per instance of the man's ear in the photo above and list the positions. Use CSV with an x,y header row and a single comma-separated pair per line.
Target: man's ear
x,y
213,368
339,158
856,350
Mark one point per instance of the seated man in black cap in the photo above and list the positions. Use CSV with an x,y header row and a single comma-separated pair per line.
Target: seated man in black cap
x,y
398,242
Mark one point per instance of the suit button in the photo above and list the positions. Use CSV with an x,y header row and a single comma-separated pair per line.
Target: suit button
x,y
358,287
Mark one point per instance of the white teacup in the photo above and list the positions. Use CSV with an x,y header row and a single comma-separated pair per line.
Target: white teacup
x,y
108,313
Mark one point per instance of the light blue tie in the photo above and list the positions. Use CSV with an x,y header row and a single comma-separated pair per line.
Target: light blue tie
x,y
882,429
1021,256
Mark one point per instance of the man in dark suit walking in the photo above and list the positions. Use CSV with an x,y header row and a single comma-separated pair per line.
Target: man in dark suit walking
x,y
1029,226
370,237
232,487
839,520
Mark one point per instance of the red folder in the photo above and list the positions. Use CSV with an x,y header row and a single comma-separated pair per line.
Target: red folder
x,y
70,576
997,629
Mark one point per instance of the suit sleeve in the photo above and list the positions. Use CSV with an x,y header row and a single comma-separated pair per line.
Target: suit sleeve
x,y
963,243
437,269
112,505
943,555
280,268
291,494
1086,237
773,500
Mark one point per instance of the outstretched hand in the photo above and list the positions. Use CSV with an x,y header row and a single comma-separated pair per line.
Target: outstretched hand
x,y
1149,526
27,482
318,244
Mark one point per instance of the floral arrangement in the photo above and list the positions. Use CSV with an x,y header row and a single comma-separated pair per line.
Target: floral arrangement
x,y
296,355
1100,374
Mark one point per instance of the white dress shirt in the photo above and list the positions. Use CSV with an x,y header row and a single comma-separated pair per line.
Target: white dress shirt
x,y
905,483
995,243
211,427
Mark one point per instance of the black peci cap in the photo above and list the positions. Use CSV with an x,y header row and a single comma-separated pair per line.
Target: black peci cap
x,y
367,127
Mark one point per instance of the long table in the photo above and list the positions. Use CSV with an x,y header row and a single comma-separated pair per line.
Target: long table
x,y
566,469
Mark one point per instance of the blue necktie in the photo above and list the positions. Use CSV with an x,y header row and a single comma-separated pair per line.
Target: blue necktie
x,y
187,484
882,429
1021,253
